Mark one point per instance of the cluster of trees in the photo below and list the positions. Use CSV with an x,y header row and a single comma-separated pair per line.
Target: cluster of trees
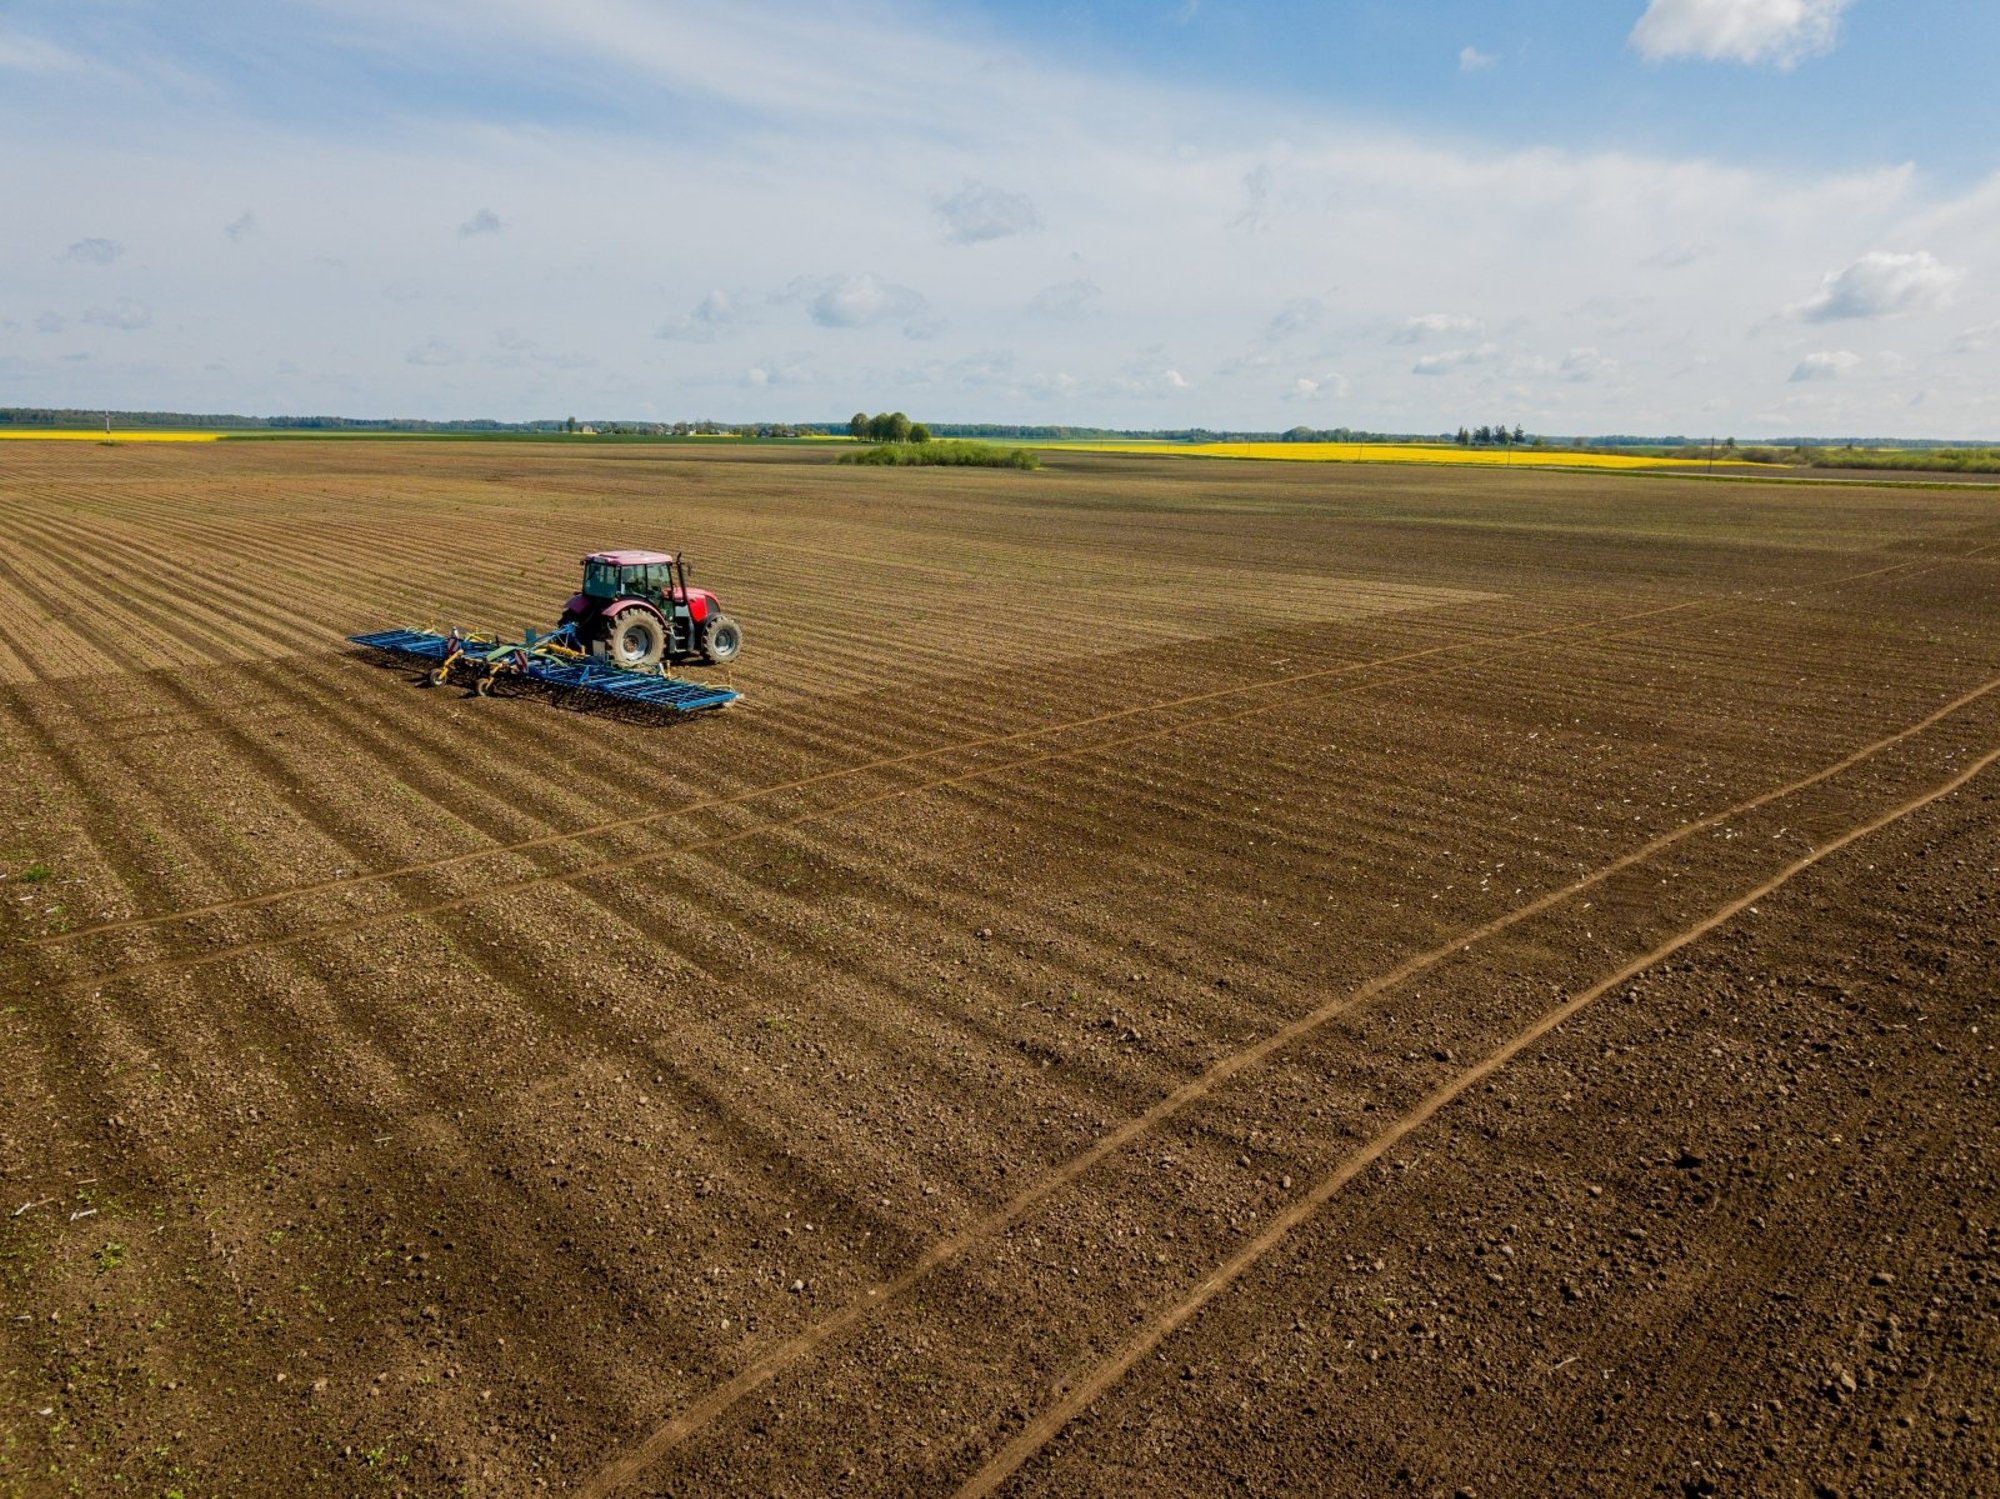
x,y
1490,437
886,426
1329,434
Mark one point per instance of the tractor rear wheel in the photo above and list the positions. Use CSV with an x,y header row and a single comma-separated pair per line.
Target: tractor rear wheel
x,y
721,639
635,640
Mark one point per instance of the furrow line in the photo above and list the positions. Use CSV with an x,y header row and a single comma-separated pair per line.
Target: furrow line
x,y
634,861
677,1430
802,783
1085,1390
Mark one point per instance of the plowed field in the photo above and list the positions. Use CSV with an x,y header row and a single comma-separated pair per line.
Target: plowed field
x,y
1176,978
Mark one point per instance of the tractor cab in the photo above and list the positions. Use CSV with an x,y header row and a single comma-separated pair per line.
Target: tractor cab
x,y
659,576
636,609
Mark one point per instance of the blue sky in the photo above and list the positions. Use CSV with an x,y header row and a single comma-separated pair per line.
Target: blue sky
x,y
1907,80
1733,216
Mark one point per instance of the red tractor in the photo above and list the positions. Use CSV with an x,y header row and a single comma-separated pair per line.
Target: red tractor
x,y
636,609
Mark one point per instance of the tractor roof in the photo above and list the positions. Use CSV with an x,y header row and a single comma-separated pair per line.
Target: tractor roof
x,y
631,559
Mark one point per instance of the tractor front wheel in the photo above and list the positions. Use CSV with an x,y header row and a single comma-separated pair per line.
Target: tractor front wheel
x,y
721,639
635,640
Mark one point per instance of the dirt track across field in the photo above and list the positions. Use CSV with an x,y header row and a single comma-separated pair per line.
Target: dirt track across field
x,y
1176,978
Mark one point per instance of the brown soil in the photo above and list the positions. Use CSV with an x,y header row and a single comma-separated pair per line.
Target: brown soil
x,y
1175,979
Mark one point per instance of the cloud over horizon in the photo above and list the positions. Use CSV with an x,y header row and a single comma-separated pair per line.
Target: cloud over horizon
x,y
1881,284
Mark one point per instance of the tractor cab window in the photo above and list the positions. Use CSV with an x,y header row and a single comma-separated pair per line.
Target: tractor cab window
x,y
600,578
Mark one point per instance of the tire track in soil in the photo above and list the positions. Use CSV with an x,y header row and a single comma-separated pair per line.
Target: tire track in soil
x,y
761,1371
885,762
1085,1389
1707,1305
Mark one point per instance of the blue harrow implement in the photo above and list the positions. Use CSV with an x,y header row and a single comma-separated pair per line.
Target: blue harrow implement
x,y
555,660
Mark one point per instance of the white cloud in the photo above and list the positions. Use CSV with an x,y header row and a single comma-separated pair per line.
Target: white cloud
x,y
977,213
1255,214
434,352
860,301
1313,387
1174,380
125,314
1472,60
1582,365
1881,284
1455,359
790,372
486,221
716,313
516,351
1675,257
94,251
1297,316
1434,325
1827,366
1780,32
1976,340
1066,301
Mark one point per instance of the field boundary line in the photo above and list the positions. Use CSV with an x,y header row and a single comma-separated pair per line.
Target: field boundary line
x,y
887,762
766,1367
741,798
1043,1429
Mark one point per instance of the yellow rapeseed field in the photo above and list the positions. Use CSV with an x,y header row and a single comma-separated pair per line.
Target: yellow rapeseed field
x,y
1383,452
51,434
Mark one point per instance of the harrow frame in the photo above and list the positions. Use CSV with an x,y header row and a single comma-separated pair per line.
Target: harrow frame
x,y
552,659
